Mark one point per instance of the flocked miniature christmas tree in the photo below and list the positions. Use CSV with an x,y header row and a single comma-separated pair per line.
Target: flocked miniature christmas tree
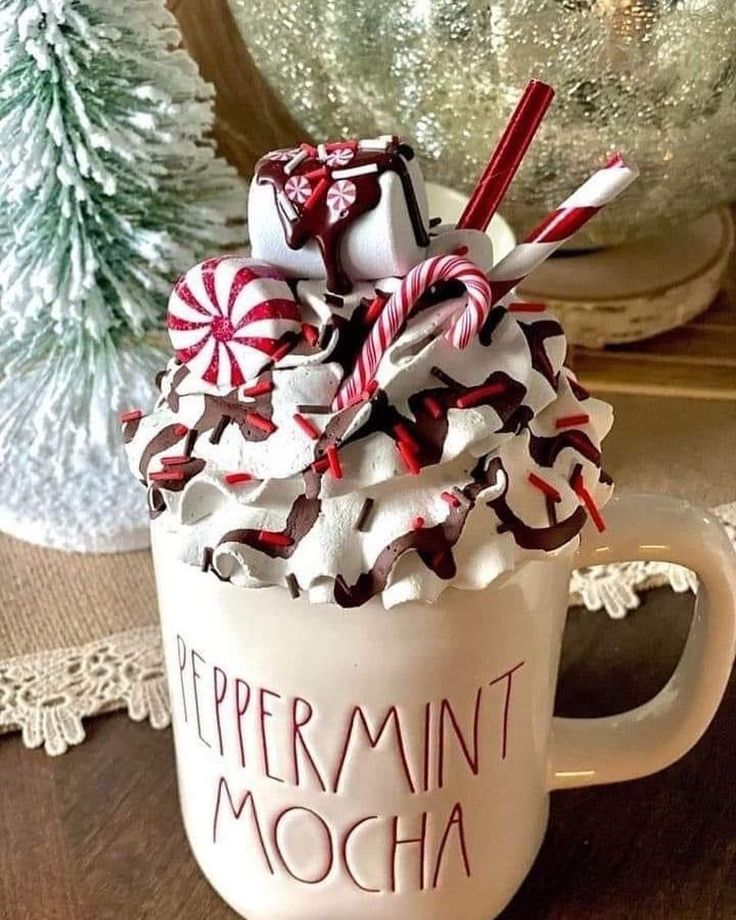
x,y
109,188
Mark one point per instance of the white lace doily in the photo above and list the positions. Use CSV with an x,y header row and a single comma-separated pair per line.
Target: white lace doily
x,y
614,588
48,695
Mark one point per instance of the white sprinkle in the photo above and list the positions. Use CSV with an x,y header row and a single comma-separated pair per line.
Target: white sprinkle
x,y
355,171
295,161
321,152
287,207
379,143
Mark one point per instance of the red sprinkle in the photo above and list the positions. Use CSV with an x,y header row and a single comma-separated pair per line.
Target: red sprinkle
x,y
282,351
403,434
407,455
265,386
545,487
274,538
320,190
164,475
134,415
309,149
521,306
310,333
417,523
460,251
334,461
306,426
451,499
258,421
376,306
587,499
319,466
175,460
181,430
570,421
234,479
433,407
320,173
479,395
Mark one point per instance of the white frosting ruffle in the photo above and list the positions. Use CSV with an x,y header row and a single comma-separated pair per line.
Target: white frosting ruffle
x,y
527,349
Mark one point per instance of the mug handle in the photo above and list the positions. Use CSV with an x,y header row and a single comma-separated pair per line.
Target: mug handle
x,y
586,752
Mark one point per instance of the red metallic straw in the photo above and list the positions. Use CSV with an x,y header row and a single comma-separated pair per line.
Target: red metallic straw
x,y
506,158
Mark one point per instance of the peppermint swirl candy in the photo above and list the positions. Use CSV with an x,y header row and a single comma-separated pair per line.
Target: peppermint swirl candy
x,y
228,317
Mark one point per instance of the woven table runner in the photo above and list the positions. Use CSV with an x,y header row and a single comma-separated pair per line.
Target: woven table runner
x,y
78,633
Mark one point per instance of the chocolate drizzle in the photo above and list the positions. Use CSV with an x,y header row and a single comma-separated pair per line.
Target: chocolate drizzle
x,y
156,502
221,411
130,429
432,544
549,538
430,432
545,451
163,441
489,326
578,391
313,219
424,427
535,334
173,396
302,516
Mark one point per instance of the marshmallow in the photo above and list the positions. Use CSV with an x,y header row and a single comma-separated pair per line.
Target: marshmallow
x,y
378,244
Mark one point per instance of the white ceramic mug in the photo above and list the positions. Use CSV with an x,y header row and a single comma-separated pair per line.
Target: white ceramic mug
x,y
396,765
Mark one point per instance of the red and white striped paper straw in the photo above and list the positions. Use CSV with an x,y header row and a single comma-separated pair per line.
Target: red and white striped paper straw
x,y
399,307
557,228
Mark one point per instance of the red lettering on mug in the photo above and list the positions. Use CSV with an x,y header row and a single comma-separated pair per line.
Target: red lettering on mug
x,y
298,742
195,682
345,853
397,842
455,823
219,678
241,707
446,711
182,656
508,677
246,799
264,714
316,844
373,738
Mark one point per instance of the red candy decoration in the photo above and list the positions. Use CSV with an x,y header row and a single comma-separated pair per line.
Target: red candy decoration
x,y
544,486
228,317
333,459
306,426
236,479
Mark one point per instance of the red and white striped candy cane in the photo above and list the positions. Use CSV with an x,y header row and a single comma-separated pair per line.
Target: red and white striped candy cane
x,y
399,307
557,228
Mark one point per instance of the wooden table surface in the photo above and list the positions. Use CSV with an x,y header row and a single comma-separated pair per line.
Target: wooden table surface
x,y
96,833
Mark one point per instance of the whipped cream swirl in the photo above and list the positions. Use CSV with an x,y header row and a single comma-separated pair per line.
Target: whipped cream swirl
x,y
460,465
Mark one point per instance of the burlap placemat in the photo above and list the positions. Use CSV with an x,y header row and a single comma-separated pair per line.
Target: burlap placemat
x,y
78,632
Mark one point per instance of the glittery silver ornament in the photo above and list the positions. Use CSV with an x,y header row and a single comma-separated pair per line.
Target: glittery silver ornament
x,y
653,78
